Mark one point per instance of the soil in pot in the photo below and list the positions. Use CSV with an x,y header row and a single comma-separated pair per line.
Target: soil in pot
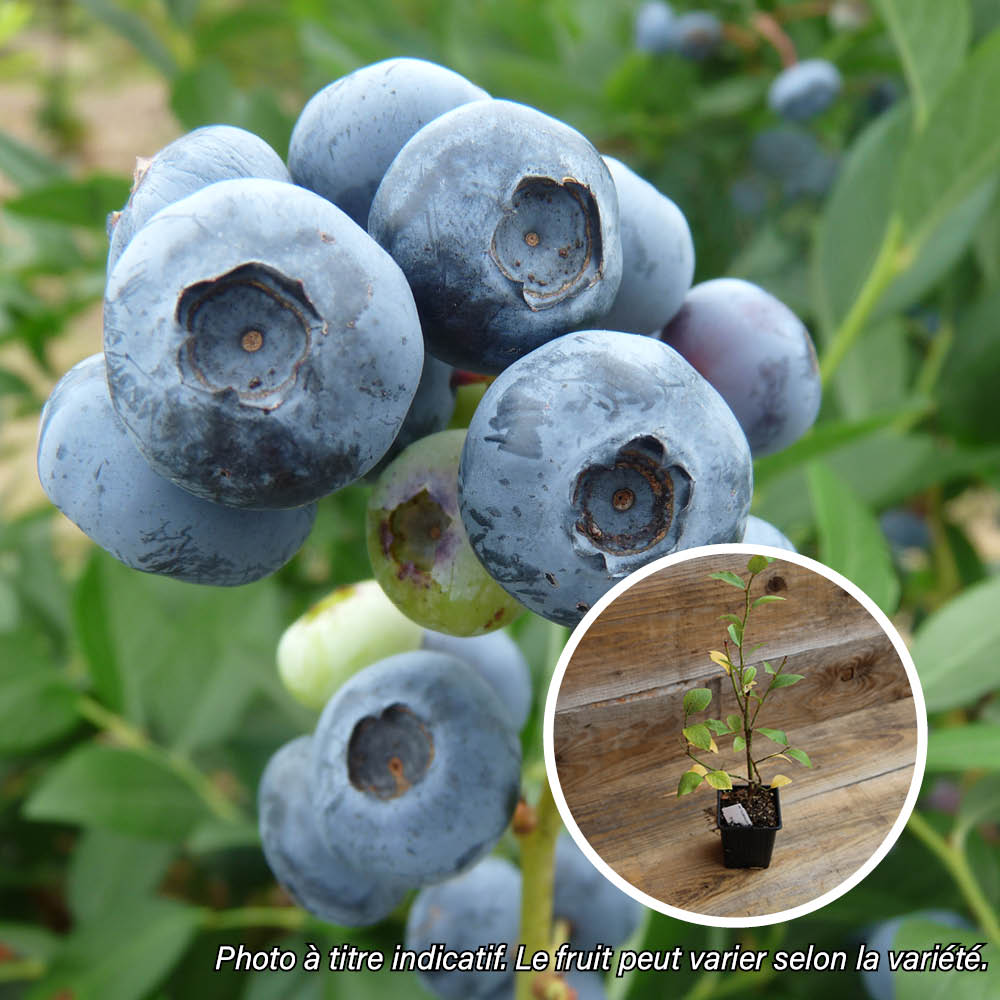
x,y
761,807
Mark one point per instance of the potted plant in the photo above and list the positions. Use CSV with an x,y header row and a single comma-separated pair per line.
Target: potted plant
x,y
748,814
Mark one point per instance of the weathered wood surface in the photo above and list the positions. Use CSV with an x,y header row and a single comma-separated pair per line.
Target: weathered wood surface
x,y
619,752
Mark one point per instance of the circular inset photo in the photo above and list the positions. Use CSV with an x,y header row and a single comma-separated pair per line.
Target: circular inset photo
x,y
735,735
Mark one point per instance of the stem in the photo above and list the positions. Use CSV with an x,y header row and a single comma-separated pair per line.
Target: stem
x,y
739,777
769,29
887,265
537,875
21,969
289,918
954,860
134,738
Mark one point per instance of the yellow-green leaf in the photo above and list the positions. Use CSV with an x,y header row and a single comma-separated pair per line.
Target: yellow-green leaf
x,y
780,780
696,700
690,780
719,779
720,659
698,769
699,736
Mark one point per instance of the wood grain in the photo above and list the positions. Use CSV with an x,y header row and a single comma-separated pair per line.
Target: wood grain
x,y
619,751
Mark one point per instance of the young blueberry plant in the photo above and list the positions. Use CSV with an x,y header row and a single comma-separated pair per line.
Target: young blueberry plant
x,y
750,694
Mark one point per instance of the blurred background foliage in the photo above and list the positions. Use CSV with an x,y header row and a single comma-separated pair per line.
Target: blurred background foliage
x,y
136,714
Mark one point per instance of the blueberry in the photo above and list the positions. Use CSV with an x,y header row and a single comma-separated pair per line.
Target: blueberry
x,y
481,906
697,34
804,89
761,532
91,470
416,768
654,22
592,456
796,160
498,659
262,350
657,255
349,132
757,353
195,160
316,876
505,222
346,631
749,195
597,911
418,547
430,411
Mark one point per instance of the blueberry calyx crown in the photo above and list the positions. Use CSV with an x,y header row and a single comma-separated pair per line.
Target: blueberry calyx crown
x,y
389,753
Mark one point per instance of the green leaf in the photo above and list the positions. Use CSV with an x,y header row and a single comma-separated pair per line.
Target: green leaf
x,y
850,539
735,722
954,649
931,38
767,599
729,617
973,746
719,779
119,790
736,634
777,735
85,202
956,151
36,707
922,933
757,564
768,668
134,30
786,680
856,216
696,700
800,755
699,736
717,726
980,804
690,780
25,166
731,578
739,743
749,675
123,955
107,869
91,624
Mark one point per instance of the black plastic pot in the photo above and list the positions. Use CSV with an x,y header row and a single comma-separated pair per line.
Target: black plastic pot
x,y
747,846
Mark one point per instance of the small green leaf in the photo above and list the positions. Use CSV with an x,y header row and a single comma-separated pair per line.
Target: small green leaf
x,y
83,202
767,599
718,727
731,578
768,668
729,617
739,744
718,779
777,735
735,634
800,755
757,564
786,680
735,722
749,675
690,780
696,700
699,736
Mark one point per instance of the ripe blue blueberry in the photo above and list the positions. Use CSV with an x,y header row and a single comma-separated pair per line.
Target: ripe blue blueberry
x,y
498,659
804,89
316,876
195,160
597,911
795,159
262,350
595,454
416,768
91,470
349,132
757,353
505,222
481,906
657,255
654,22
761,532
697,34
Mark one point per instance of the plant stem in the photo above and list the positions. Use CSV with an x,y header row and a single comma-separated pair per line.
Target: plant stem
x,y
21,969
957,864
887,265
538,850
128,735
768,28
287,917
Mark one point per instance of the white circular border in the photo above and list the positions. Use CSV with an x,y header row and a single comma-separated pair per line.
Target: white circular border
x,y
548,723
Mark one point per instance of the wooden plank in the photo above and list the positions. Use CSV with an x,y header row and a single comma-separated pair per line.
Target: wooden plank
x,y
835,816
